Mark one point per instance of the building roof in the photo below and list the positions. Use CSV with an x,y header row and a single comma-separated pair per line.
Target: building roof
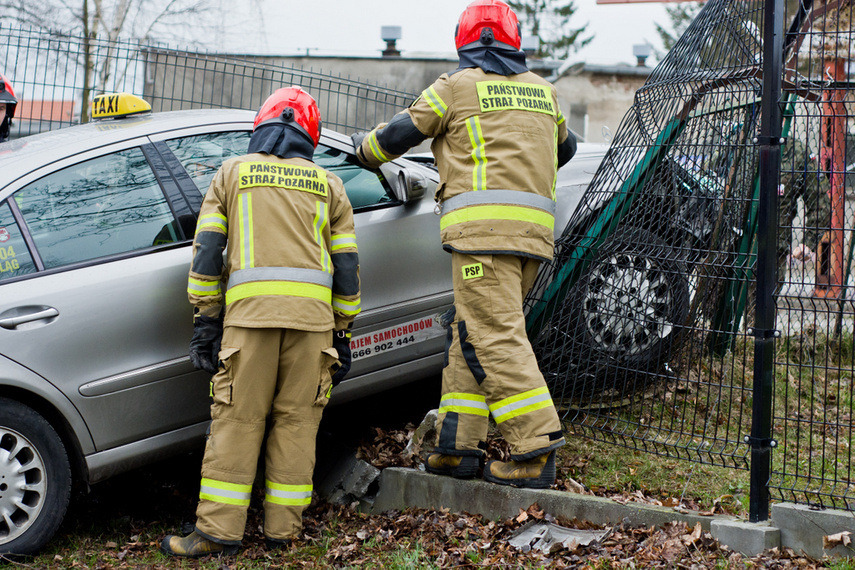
x,y
45,110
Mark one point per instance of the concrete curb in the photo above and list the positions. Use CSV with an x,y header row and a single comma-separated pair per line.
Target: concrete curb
x,y
401,488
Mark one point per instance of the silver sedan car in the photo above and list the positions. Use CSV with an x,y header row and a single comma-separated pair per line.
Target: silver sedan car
x,y
96,226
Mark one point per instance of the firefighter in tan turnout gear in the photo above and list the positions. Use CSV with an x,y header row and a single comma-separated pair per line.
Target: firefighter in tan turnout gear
x,y
289,292
499,138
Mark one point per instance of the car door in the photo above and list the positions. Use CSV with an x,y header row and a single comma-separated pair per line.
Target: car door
x,y
405,275
101,311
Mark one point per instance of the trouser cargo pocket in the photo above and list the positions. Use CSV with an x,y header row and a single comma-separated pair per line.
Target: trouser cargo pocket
x,y
223,381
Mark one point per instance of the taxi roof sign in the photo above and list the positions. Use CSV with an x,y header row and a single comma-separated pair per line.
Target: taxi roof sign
x,y
114,105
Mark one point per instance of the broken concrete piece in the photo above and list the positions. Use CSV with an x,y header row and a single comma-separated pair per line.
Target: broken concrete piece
x,y
424,438
549,537
360,478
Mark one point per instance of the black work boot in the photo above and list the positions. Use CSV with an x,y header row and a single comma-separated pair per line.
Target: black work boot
x,y
276,543
194,545
457,466
536,473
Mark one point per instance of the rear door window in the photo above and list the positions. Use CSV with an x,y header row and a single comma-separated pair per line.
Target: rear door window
x,y
15,258
202,155
104,206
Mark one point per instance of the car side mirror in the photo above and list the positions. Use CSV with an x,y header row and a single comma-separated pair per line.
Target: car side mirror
x,y
413,185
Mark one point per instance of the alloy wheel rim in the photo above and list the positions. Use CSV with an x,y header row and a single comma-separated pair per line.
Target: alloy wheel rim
x,y
23,484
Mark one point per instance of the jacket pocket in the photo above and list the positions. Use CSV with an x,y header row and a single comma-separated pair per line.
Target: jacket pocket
x,y
437,195
329,356
223,381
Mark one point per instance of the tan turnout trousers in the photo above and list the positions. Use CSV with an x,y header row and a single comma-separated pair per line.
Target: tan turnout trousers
x,y
289,368
491,368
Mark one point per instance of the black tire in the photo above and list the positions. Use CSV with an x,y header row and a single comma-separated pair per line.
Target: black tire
x,y
35,479
626,310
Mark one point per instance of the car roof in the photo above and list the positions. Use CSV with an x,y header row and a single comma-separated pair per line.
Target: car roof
x,y
20,156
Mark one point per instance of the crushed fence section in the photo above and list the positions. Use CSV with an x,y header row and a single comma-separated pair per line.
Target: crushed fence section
x,y
813,413
56,76
644,322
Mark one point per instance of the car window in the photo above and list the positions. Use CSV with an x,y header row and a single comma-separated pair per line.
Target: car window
x,y
14,256
202,155
364,187
104,206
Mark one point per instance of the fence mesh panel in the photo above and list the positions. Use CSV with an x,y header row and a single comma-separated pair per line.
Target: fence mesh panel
x,y
55,76
642,322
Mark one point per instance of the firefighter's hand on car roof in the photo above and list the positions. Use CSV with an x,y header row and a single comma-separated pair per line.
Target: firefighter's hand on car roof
x,y
341,343
205,344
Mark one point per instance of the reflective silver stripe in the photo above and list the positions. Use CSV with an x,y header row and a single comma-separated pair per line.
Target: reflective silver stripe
x,y
350,308
504,197
289,494
297,274
520,404
198,286
343,240
217,492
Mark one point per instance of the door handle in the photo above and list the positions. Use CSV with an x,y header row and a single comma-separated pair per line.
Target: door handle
x,y
36,315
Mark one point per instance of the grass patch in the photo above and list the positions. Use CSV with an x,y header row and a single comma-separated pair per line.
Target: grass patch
x,y
683,435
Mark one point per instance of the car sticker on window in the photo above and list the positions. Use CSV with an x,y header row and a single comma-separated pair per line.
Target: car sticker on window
x,y
4,235
399,336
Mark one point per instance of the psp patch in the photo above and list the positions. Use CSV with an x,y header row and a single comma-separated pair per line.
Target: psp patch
x,y
473,271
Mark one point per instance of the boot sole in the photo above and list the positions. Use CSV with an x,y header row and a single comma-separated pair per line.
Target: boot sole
x,y
460,472
524,483
544,481
228,550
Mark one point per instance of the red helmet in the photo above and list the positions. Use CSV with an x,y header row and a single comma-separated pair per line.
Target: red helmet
x,y
7,95
291,106
487,23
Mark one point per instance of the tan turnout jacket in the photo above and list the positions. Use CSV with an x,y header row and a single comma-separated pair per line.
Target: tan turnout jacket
x,y
495,143
291,258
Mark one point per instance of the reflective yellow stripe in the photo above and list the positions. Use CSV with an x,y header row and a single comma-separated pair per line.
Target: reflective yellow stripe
x,y
350,308
199,287
560,117
463,403
209,221
284,288
375,147
555,162
288,494
320,222
247,247
435,101
506,213
520,404
342,241
222,492
479,153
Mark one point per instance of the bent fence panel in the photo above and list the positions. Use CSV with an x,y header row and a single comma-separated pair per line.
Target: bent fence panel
x,y
643,322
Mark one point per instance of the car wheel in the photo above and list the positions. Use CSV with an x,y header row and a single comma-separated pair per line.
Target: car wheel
x,y
625,311
35,479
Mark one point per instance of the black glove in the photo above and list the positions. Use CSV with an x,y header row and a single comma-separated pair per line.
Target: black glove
x,y
205,344
341,344
357,139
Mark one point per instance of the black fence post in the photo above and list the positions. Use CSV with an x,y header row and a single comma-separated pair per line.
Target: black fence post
x,y
764,319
